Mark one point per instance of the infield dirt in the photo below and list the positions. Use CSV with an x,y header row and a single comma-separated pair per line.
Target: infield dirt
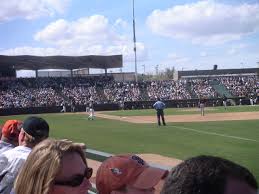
x,y
185,118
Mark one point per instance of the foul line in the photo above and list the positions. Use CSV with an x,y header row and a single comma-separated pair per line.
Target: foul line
x,y
218,134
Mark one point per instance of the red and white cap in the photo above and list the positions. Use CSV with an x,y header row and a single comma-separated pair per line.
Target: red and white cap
x,y
118,171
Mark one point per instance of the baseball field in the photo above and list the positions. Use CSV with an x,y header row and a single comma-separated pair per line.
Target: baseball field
x,y
231,133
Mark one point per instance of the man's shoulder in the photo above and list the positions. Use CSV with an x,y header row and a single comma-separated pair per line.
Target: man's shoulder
x,y
161,102
5,147
5,144
17,152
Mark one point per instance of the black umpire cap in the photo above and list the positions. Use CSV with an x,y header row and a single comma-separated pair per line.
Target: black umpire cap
x,y
36,127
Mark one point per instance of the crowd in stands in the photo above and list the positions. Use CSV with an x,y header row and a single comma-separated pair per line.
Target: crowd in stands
x,y
31,162
30,97
202,88
82,95
168,90
122,91
44,92
242,86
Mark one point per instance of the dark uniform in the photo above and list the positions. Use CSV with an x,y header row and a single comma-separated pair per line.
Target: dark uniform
x,y
73,106
202,106
159,106
225,102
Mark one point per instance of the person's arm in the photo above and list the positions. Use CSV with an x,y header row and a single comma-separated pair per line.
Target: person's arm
x,y
3,165
164,105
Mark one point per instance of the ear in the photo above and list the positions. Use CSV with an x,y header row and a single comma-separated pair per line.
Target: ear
x,y
22,136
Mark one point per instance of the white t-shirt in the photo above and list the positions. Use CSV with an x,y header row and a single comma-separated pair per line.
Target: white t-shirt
x,y
10,163
4,146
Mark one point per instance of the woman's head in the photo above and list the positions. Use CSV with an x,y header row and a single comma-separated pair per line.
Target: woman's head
x,y
54,167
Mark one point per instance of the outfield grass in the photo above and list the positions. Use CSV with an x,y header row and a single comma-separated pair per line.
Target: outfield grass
x,y
234,140
185,111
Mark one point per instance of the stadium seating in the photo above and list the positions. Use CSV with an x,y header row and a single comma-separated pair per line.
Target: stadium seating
x,y
46,92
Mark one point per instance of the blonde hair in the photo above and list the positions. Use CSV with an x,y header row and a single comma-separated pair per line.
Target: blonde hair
x,y
43,164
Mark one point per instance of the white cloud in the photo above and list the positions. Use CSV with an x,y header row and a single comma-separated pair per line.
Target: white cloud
x,y
203,54
177,58
30,9
88,31
206,22
121,23
58,29
92,35
235,49
31,51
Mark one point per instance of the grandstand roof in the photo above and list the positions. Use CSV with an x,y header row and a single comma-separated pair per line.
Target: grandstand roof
x,y
28,62
218,72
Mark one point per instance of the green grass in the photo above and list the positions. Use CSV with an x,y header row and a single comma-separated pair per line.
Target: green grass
x,y
183,111
176,140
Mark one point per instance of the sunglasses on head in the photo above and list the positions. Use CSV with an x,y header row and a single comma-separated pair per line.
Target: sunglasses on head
x,y
77,180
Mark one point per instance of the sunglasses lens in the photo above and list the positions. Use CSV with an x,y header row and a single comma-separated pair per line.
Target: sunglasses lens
x,y
89,172
77,181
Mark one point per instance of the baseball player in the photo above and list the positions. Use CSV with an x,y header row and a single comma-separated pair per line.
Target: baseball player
x,y
63,107
91,114
202,106
225,102
72,105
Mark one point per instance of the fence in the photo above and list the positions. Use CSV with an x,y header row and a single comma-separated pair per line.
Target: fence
x,y
127,105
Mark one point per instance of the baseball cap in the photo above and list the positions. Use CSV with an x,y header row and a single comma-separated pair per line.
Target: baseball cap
x,y
11,129
121,170
36,127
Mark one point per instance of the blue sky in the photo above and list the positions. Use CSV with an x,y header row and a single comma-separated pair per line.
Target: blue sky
x,y
170,33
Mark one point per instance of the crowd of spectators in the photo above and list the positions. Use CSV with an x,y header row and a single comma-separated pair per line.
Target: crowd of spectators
x,y
241,86
168,90
42,92
82,95
202,88
29,97
122,91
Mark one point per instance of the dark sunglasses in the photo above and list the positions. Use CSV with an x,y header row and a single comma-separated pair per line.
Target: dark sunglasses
x,y
77,180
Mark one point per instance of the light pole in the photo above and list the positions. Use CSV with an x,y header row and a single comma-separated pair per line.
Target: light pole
x,y
156,69
134,40
144,68
241,65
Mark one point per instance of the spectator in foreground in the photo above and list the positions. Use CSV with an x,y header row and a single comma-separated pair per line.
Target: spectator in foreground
x,y
209,175
10,134
127,174
54,167
33,131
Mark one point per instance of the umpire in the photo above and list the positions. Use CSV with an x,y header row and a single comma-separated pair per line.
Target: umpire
x,y
159,106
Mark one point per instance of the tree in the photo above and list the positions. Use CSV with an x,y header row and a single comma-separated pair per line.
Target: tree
x,y
169,73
